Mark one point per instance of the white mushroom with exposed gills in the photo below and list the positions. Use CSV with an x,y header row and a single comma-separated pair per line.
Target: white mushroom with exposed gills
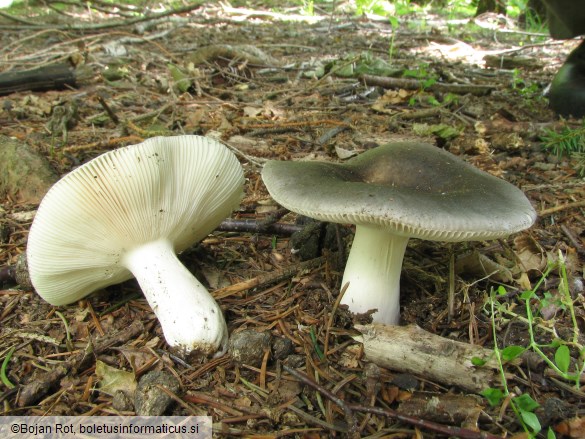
x,y
393,193
127,213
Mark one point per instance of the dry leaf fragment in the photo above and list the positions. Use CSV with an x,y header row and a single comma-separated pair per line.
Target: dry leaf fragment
x,y
137,358
572,428
531,255
480,265
112,380
391,97
343,153
250,111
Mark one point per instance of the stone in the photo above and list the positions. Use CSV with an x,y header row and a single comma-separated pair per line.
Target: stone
x,y
25,175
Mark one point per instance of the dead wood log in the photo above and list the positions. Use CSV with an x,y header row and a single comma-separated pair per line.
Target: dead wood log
x,y
411,349
51,77
415,84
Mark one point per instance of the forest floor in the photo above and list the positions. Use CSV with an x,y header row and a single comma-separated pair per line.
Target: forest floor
x,y
291,86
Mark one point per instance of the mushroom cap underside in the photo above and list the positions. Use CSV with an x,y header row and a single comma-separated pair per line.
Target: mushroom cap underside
x,y
410,189
176,188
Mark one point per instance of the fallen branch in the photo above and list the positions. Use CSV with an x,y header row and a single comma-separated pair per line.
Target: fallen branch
x,y
410,349
27,24
415,84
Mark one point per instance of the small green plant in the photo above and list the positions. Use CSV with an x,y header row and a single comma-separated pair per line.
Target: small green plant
x,y
567,142
394,23
404,7
421,73
533,22
426,79
560,362
527,90
450,98
377,7
308,7
516,7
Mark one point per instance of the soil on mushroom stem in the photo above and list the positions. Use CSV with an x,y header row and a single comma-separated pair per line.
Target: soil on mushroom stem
x,y
263,116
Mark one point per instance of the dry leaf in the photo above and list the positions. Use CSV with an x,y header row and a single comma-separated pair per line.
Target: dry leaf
x,y
573,428
524,282
24,216
215,278
480,128
196,118
111,380
479,265
349,357
250,111
343,153
243,401
248,145
390,394
137,358
531,255
391,97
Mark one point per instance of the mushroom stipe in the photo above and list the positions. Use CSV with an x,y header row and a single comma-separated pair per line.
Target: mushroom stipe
x,y
393,193
127,213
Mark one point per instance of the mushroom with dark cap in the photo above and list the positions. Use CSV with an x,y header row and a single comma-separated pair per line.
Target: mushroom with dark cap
x,y
127,213
392,193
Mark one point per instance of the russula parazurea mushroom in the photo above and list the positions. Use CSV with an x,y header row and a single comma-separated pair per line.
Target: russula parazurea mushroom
x,y
127,213
393,193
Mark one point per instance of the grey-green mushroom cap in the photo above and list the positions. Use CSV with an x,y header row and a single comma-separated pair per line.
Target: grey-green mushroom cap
x,y
392,193
411,189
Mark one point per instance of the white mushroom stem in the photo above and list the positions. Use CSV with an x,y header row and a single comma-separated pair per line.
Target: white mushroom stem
x,y
373,272
190,318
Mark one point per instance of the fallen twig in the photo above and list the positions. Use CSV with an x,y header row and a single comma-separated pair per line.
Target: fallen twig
x,y
349,416
255,226
33,391
575,242
266,279
566,206
348,409
415,84
449,430
264,225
